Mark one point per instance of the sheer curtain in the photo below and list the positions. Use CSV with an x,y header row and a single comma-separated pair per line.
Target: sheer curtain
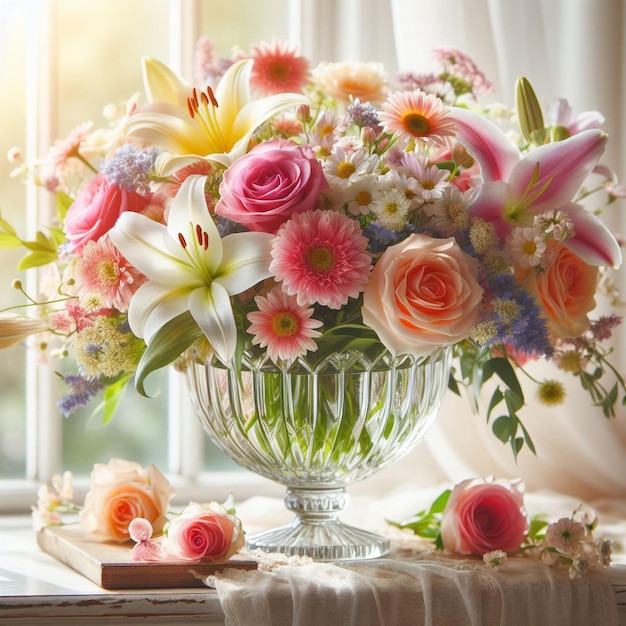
x,y
567,48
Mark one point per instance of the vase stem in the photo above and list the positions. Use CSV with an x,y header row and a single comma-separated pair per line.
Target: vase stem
x,y
316,531
316,505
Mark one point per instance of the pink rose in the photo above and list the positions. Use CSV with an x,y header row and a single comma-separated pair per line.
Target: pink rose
x,y
119,492
273,181
422,294
566,289
203,531
482,516
96,209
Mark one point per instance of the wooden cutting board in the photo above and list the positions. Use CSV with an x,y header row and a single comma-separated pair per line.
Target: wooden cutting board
x,y
109,565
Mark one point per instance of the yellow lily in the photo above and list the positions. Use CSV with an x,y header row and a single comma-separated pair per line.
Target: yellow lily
x,y
192,124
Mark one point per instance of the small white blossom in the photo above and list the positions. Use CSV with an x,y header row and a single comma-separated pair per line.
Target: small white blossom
x,y
527,246
495,559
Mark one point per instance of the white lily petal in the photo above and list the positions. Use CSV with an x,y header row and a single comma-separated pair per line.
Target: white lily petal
x,y
167,163
255,112
162,84
246,260
168,131
213,311
153,305
233,88
149,247
189,216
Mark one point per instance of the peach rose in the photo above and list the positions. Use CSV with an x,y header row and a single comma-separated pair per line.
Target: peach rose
x,y
119,492
203,531
481,516
342,80
422,294
565,288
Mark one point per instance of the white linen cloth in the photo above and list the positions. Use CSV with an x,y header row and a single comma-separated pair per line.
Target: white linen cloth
x,y
414,585
432,591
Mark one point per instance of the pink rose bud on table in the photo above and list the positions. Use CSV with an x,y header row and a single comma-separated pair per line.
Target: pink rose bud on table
x,y
203,532
481,516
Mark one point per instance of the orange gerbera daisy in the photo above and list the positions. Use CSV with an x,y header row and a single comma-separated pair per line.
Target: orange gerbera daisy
x,y
418,115
278,68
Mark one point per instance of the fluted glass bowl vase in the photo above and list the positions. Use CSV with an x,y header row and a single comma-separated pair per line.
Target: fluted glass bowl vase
x,y
314,427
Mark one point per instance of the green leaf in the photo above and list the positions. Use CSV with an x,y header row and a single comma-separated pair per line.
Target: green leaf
x,y
9,240
506,373
427,523
537,524
166,346
453,384
513,402
529,441
450,166
440,502
496,398
504,428
36,259
64,202
6,227
112,398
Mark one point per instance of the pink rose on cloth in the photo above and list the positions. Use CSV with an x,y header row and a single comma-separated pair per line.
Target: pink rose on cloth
x,y
96,209
484,515
119,492
203,532
422,294
276,179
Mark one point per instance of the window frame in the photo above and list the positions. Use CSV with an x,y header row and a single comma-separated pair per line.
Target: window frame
x,y
313,25
43,422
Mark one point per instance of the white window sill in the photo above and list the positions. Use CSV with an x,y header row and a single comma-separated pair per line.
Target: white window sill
x,y
36,589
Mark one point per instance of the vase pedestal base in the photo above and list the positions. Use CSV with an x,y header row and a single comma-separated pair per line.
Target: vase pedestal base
x,y
332,541
317,532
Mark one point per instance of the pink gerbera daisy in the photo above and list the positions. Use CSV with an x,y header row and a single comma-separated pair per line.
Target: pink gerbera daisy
x,y
278,68
320,257
102,273
64,149
283,326
418,115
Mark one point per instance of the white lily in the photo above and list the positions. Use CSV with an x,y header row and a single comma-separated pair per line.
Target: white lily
x,y
191,124
190,267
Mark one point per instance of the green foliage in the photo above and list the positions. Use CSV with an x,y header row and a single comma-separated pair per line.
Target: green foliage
x,y
478,366
40,251
166,346
602,397
113,395
427,523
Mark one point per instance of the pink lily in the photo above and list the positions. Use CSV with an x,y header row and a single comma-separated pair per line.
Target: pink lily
x,y
517,187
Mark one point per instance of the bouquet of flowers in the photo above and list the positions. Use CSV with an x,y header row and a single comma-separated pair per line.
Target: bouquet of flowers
x,y
295,209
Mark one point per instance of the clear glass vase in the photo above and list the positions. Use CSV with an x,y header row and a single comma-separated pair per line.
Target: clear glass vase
x,y
314,427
